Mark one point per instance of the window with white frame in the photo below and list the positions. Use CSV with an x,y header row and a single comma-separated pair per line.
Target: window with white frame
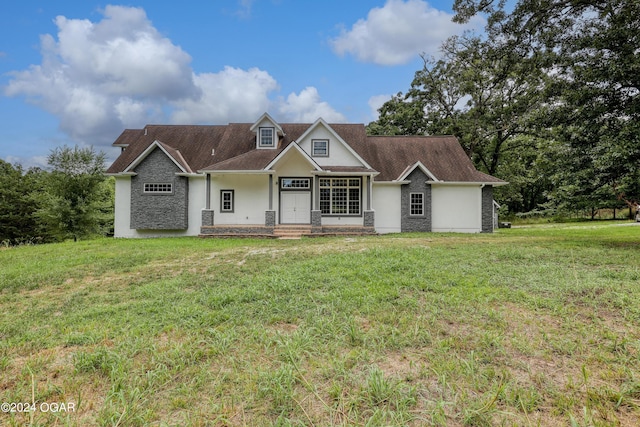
x,y
158,187
320,147
226,200
295,183
416,207
267,138
340,196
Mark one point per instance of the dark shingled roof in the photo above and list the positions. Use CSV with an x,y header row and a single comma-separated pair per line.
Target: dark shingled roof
x,y
234,147
442,155
194,143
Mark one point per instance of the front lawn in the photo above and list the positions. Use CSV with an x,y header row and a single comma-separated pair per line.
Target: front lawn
x,y
529,326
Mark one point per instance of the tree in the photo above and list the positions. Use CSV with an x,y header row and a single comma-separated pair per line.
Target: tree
x,y
593,65
75,195
17,205
489,97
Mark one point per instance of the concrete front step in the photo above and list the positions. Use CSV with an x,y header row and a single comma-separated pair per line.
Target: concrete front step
x,y
291,231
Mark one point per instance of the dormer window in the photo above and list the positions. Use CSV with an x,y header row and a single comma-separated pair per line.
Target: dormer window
x,y
267,137
267,132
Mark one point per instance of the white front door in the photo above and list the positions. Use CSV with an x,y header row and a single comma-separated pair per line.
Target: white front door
x,y
295,207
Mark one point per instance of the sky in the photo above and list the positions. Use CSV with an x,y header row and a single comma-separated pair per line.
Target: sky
x,y
79,72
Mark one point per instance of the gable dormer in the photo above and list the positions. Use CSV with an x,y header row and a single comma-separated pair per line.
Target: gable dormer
x,y
267,131
327,148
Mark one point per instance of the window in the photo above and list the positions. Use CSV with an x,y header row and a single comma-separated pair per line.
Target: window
x,y
295,183
340,196
158,187
416,207
320,147
226,200
266,137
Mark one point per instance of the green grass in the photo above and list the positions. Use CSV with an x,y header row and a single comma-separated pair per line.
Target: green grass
x,y
532,326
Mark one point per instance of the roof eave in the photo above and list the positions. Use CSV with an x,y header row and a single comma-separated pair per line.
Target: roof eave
x,y
120,174
190,174
345,173
479,183
237,171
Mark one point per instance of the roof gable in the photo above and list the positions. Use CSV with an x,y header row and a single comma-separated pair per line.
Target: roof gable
x,y
286,152
266,120
174,155
413,167
319,129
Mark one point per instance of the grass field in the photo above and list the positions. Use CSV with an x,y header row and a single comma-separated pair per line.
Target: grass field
x,y
535,326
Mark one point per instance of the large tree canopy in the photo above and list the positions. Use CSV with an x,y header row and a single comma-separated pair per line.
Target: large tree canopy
x,y
546,99
490,98
593,61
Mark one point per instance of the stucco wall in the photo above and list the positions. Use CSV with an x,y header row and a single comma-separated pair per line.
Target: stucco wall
x,y
456,208
339,155
386,203
251,198
122,220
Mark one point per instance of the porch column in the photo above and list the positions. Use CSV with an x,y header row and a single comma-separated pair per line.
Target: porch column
x,y
316,215
207,214
316,193
369,189
270,192
208,196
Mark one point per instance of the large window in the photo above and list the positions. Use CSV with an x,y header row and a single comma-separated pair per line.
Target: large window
x,y
266,137
416,207
158,187
226,200
340,196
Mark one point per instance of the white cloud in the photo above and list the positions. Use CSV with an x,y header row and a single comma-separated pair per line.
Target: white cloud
x,y
307,107
398,32
375,102
94,70
231,95
100,77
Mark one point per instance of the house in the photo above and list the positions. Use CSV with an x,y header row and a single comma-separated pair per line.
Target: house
x,y
257,178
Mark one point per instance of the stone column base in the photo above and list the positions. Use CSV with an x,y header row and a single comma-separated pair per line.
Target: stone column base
x,y
270,218
369,219
207,217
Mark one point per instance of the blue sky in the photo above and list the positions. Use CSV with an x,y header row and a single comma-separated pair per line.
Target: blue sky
x,y
79,72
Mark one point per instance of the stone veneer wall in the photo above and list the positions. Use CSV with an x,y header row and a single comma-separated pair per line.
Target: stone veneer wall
x,y
417,185
316,221
487,209
236,230
159,211
369,219
270,218
208,216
